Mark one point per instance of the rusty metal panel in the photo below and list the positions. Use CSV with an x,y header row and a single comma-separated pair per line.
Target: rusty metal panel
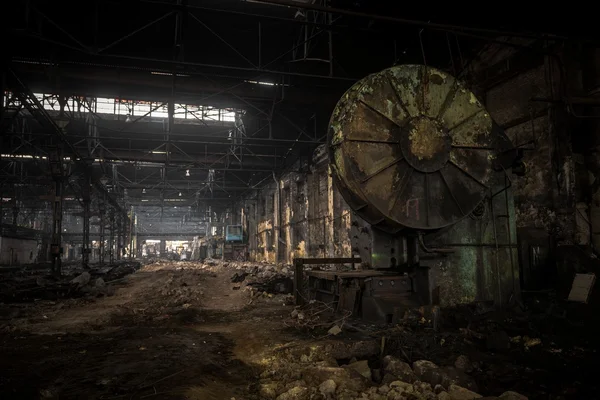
x,y
410,146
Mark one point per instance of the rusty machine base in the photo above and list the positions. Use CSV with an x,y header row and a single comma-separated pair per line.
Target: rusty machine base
x,y
372,295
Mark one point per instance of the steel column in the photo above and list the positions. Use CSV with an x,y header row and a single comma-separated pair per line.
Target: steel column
x,y
85,247
101,249
56,169
111,237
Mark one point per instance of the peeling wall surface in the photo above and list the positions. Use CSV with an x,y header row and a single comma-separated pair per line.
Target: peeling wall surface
x,y
315,220
521,92
17,251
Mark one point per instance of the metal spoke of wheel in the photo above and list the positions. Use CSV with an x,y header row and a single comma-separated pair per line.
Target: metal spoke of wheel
x,y
400,102
467,173
447,100
405,179
441,171
464,121
370,107
381,169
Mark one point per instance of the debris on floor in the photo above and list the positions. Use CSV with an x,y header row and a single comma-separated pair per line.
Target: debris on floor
x,y
26,285
191,329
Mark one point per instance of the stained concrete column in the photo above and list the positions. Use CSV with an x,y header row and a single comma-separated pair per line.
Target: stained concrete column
x,y
276,219
330,216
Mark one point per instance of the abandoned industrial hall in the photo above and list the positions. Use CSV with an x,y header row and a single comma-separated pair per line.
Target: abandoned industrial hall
x,y
298,200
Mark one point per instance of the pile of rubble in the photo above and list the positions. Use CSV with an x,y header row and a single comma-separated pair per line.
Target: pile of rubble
x,y
316,374
27,285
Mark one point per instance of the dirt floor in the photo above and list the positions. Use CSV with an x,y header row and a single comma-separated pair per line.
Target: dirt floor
x,y
167,332
184,330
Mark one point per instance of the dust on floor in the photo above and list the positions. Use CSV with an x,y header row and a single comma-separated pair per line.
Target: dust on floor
x,y
214,330
171,330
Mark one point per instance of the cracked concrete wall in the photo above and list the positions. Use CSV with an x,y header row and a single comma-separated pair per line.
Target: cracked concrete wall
x,y
522,91
315,219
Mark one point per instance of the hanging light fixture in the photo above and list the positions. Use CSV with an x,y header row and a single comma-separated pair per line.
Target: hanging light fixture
x,y
179,194
187,172
144,190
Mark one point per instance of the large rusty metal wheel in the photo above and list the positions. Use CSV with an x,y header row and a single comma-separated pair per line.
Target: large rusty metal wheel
x,y
411,147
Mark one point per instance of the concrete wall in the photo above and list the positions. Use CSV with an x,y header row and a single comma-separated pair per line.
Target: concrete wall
x,y
523,89
302,215
15,251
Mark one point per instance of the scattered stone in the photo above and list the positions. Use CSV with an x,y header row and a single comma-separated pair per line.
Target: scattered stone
x,y
438,389
42,281
463,363
335,330
82,279
510,395
394,394
238,277
407,387
452,376
422,387
425,371
268,391
362,367
444,396
99,283
460,393
384,389
293,384
346,395
428,395
345,378
530,342
398,369
47,394
296,393
328,387
294,314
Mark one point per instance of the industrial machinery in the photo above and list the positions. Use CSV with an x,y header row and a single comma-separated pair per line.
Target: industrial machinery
x,y
234,233
426,172
235,247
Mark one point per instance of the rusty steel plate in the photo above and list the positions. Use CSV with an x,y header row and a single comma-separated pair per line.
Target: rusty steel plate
x,y
411,147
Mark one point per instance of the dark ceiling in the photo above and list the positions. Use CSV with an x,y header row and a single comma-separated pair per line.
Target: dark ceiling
x,y
214,53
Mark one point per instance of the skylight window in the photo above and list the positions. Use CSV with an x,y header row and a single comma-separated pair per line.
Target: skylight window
x,y
135,108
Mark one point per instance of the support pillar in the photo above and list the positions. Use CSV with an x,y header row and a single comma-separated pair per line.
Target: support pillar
x,y
131,228
56,169
329,222
15,211
111,237
101,211
119,243
85,247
